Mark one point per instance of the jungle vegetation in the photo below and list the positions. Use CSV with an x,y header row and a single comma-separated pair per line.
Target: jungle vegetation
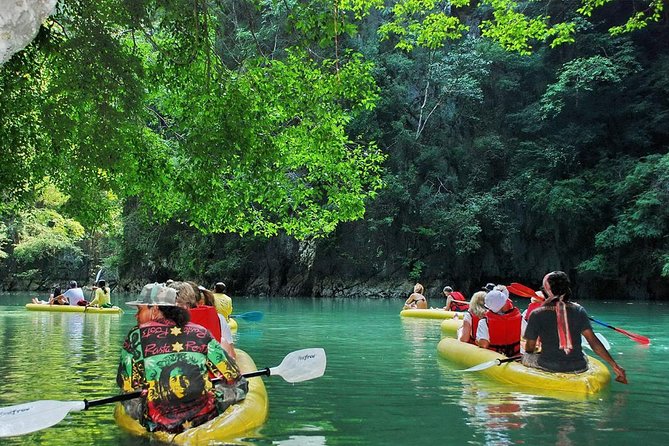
x,y
314,148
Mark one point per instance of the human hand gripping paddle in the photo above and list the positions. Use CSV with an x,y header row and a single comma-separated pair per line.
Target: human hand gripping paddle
x,y
297,366
525,291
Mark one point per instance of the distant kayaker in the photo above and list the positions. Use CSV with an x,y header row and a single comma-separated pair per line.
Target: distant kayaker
x,y
560,323
171,359
222,301
75,295
499,330
102,295
455,300
470,323
416,299
55,298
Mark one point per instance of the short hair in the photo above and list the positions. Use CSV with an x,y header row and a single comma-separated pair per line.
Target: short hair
x,y
560,284
219,287
447,288
185,294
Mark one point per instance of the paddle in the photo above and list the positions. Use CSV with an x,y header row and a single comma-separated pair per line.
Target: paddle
x,y
253,316
602,339
297,366
635,337
521,290
525,291
487,365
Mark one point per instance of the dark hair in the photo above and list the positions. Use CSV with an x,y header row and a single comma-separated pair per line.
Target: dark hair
x,y
208,297
73,284
447,288
219,287
56,291
560,284
179,315
101,285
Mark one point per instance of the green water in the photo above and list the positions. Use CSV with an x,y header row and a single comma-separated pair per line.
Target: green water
x,y
384,383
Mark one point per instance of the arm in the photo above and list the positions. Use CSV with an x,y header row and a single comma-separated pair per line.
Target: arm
x,y
449,299
466,331
226,337
598,348
530,345
482,335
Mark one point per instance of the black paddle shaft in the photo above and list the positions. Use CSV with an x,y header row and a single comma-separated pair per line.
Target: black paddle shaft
x,y
138,393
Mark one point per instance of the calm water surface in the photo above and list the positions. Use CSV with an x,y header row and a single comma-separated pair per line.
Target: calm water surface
x,y
384,383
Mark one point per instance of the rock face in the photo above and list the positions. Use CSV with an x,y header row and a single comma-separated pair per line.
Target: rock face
x,y
19,22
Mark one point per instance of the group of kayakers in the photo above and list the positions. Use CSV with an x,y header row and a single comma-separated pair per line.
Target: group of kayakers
x,y
74,295
180,354
547,335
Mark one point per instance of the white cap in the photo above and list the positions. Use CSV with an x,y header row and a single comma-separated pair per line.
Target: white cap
x,y
495,300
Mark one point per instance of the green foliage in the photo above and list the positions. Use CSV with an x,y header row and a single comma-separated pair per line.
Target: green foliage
x,y
47,241
583,75
640,18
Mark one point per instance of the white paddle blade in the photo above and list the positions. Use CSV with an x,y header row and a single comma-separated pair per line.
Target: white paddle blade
x,y
482,366
30,417
301,365
602,339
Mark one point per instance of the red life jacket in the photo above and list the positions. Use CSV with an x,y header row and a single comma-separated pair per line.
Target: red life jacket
x,y
208,318
530,308
475,326
455,306
504,331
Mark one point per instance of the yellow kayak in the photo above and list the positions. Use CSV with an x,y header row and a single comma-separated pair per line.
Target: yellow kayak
x,y
237,419
431,313
72,309
590,382
450,327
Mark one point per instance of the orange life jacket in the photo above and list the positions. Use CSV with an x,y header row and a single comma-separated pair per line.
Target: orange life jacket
x,y
504,331
208,318
475,326
456,306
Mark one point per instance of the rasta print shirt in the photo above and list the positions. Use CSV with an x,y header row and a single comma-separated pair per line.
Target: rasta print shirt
x,y
173,364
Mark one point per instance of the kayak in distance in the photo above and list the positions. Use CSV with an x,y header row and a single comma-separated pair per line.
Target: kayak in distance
x,y
73,309
236,420
431,313
588,383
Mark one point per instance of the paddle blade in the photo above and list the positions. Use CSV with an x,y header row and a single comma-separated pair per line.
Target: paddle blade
x,y
521,290
301,365
30,417
602,339
633,336
482,366
252,316
487,365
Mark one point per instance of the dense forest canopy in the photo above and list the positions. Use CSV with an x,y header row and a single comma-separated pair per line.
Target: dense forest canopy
x,y
481,140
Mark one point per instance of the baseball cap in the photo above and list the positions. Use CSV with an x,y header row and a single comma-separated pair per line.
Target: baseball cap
x,y
156,294
495,300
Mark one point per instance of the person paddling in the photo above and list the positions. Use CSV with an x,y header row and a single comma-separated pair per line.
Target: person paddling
x,y
102,295
222,301
171,358
560,323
